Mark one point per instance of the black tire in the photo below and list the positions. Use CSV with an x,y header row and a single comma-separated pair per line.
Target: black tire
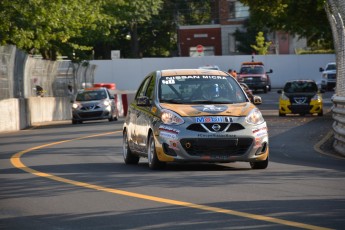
x,y
259,164
154,162
111,118
265,89
282,114
128,156
74,122
320,114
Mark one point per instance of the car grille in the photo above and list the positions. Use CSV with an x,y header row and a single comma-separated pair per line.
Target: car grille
x,y
89,107
251,79
207,127
216,147
300,108
331,76
91,114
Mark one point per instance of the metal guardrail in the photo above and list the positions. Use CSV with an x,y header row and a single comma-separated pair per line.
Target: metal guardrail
x,y
338,126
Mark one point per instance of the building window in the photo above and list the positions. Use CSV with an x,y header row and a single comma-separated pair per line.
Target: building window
x,y
232,43
237,10
231,10
241,10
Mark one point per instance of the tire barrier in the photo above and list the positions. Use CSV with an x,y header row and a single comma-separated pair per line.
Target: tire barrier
x,y
338,115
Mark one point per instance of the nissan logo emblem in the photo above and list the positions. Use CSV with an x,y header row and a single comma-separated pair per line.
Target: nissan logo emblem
x,y
216,127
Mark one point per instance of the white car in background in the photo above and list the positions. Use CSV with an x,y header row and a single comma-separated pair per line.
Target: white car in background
x,y
328,77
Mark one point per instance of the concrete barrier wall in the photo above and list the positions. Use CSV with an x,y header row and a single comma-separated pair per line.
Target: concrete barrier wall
x,y
21,113
127,74
9,114
49,109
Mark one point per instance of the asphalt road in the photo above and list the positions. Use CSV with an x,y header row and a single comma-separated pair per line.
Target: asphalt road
x,y
63,176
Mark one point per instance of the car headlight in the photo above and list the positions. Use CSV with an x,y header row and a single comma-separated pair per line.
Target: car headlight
x,y
75,105
106,103
170,118
255,117
316,97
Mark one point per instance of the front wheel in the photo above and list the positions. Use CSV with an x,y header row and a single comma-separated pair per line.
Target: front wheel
x,y
154,162
259,164
128,156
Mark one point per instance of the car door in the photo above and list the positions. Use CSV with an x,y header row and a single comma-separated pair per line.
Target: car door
x,y
145,116
133,114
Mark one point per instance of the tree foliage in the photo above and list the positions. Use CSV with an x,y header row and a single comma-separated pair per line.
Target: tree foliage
x,y
85,29
261,46
45,26
303,18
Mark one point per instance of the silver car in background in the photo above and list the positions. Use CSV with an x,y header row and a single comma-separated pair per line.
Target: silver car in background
x,y
94,104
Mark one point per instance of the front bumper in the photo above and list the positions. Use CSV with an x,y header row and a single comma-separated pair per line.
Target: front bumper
x,y
285,107
96,114
189,143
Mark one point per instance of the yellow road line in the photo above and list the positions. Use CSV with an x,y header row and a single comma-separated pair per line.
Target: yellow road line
x,y
16,161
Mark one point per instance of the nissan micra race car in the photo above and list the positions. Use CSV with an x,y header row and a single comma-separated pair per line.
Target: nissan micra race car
x,y
300,97
194,115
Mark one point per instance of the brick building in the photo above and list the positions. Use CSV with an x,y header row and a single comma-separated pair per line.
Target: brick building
x,y
218,37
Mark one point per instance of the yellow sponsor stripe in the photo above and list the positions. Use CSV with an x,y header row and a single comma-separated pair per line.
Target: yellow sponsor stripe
x,y
16,161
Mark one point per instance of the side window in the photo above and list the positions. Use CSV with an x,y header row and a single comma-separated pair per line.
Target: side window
x,y
143,87
151,87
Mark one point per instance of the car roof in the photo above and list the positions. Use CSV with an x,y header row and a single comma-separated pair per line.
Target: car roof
x,y
253,63
178,72
94,88
301,81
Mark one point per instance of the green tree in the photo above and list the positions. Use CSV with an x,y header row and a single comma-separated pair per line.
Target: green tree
x,y
133,15
261,46
47,27
304,18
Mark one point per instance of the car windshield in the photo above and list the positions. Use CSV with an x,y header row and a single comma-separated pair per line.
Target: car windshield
x,y
200,90
91,95
252,70
300,87
331,67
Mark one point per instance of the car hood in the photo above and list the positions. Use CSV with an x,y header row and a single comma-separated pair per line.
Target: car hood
x,y
330,71
240,109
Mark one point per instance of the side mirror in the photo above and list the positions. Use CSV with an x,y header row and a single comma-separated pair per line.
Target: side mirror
x,y
111,97
143,101
279,91
321,69
257,100
271,71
